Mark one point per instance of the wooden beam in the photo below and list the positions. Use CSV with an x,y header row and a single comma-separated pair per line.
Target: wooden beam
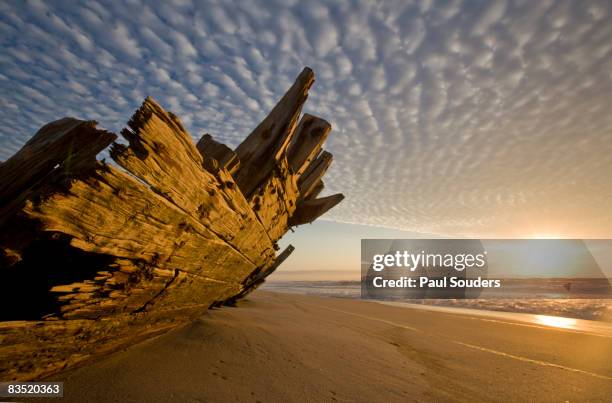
x,y
314,191
225,156
311,133
311,177
266,145
310,210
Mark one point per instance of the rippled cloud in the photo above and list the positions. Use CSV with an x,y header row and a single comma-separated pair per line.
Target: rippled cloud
x,y
462,118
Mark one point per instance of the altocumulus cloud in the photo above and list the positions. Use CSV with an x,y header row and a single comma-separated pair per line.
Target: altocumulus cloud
x,y
461,118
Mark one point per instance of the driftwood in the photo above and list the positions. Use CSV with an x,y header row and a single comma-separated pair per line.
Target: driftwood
x,y
96,256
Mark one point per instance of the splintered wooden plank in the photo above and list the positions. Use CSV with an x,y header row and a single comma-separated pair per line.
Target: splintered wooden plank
x,y
124,287
261,150
310,135
162,154
62,144
161,289
311,178
110,212
309,210
225,156
66,141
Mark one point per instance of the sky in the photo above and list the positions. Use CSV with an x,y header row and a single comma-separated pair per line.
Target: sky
x,y
458,118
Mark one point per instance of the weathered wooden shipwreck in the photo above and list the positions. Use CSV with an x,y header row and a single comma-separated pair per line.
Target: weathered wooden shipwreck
x,y
96,256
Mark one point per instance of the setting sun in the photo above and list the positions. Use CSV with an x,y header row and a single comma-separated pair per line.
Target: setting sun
x,y
546,235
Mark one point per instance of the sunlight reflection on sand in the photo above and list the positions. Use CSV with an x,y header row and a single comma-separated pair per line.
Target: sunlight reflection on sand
x,y
556,321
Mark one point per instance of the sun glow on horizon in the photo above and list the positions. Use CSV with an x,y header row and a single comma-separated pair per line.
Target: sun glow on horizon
x,y
546,235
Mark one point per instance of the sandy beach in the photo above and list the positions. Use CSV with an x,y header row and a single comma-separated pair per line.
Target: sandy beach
x,y
282,347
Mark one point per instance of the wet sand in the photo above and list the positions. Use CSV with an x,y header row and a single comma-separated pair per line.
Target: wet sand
x,y
284,347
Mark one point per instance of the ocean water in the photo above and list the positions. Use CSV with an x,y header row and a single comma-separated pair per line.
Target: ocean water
x,y
540,297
